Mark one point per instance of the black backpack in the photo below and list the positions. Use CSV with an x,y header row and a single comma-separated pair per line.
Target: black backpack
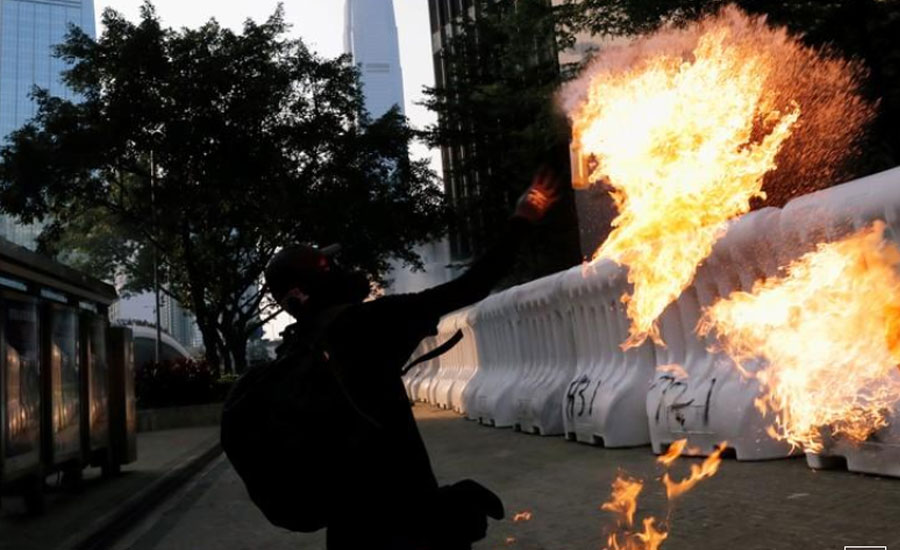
x,y
290,428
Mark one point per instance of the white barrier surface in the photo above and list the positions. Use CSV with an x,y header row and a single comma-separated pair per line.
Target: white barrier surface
x,y
828,215
707,400
604,401
546,346
486,348
497,334
419,378
455,365
468,360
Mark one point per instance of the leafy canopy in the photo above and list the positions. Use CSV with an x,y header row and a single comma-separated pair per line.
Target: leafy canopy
x,y
254,142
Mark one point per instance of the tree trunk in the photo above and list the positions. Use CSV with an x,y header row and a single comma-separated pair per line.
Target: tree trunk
x,y
212,343
238,347
226,355
205,319
236,343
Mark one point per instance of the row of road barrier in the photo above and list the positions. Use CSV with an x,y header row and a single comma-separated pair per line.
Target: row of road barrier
x,y
545,357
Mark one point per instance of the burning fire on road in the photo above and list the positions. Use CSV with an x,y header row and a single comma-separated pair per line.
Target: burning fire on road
x,y
623,500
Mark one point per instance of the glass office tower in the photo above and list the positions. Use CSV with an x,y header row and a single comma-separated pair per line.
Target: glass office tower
x,y
28,31
370,37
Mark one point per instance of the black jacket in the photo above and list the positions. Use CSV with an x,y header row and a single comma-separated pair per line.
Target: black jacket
x,y
390,487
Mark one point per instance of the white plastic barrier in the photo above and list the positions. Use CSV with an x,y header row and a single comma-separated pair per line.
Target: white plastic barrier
x,y
421,374
829,215
478,322
490,400
547,352
704,398
467,351
604,401
455,365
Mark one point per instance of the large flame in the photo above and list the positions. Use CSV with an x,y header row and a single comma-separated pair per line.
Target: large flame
x,y
684,125
827,335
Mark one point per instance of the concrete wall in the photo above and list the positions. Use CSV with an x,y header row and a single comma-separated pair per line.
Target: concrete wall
x,y
170,418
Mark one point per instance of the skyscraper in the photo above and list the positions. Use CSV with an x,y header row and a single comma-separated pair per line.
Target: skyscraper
x,y
28,31
370,37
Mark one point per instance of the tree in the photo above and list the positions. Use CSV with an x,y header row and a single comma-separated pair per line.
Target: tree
x,y
256,142
860,29
497,116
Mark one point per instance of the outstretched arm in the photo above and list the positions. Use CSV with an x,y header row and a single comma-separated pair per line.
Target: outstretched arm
x,y
480,278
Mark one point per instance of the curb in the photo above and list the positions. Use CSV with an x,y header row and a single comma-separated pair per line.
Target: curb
x,y
102,533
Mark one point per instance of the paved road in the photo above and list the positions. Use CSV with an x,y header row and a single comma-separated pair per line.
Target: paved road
x,y
753,506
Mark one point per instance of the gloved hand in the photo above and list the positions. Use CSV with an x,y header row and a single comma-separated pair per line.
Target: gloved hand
x,y
537,200
463,510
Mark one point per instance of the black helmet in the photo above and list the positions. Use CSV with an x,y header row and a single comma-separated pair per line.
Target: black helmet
x,y
298,266
314,273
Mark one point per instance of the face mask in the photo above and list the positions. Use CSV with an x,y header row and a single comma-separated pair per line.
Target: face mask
x,y
347,287
336,287
293,305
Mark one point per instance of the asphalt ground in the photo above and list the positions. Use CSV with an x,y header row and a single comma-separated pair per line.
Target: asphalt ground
x,y
747,505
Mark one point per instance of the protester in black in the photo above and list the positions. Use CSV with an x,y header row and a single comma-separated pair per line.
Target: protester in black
x,y
381,491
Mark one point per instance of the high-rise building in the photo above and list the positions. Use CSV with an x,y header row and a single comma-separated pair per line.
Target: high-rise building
x,y
444,15
370,37
465,62
29,29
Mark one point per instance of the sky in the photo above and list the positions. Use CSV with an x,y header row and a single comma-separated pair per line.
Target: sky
x,y
320,23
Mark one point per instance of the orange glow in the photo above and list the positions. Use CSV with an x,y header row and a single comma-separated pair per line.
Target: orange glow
x,y
826,333
685,125
522,516
675,370
707,469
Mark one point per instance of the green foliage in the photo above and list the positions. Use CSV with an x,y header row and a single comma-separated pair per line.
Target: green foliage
x,y
496,115
256,142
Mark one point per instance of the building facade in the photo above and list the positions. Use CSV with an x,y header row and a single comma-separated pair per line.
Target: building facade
x,y
29,29
444,15
491,59
462,60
